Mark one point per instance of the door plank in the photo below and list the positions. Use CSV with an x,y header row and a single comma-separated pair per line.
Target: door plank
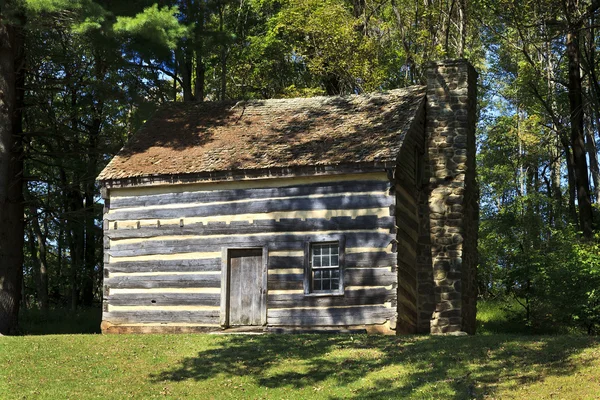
x,y
245,287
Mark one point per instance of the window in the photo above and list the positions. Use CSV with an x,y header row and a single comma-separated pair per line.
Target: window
x,y
324,268
325,265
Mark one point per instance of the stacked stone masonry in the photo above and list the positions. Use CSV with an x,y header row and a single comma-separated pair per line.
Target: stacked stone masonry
x,y
448,203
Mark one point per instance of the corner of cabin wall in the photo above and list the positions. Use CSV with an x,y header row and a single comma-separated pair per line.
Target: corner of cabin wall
x,y
447,248
407,194
105,193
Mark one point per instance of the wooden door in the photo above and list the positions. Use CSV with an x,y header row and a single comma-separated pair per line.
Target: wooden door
x,y
245,287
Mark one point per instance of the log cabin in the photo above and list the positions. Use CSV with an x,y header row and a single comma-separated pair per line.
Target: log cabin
x,y
325,213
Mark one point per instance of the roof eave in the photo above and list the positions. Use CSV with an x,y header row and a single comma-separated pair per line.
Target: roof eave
x,y
248,174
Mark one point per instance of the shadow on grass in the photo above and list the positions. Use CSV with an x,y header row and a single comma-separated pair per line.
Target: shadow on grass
x,y
60,321
466,367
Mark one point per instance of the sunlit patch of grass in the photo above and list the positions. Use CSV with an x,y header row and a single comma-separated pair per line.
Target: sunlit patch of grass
x,y
503,317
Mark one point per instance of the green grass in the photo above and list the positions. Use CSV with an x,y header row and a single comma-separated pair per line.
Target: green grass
x,y
298,367
500,317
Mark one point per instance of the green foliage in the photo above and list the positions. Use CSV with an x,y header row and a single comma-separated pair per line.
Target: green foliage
x,y
328,39
83,15
155,25
500,316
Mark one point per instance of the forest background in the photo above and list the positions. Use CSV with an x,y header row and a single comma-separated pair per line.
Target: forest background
x,y
79,77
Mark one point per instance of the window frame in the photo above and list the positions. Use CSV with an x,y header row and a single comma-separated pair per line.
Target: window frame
x,y
308,270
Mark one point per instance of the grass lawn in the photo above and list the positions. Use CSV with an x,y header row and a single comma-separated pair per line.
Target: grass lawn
x,y
299,367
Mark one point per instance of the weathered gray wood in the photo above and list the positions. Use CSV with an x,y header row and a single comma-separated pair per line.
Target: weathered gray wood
x,y
210,244
353,277
330,317
306,277
285,277
209,317
258,226
224,312
370,277
164,281
243,174
264,285
245,287
165,299
207,264
342,261
352,260
249,194
285,285
371,259
286,262
369,296
259,206
405,218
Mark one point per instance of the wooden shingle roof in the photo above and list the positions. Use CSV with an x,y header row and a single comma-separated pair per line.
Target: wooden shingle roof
x,y
189,138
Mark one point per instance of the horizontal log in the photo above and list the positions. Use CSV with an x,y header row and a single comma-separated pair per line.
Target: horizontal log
x,y
249,194
286,262
275,242
408,220
352,277
371,259
164,281
258,226
353,260
330,317
206,264
369,277
285,285
369,296
358,201
210,317
164,299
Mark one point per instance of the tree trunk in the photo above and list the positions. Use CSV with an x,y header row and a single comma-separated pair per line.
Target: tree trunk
x,y
555,149
577,132
594,109
199,87
89,211
570,179
223,52
594,163
462,28
11,169
39,254
185,66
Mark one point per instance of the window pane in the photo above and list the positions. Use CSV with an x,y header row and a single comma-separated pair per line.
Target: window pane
x,y
325,267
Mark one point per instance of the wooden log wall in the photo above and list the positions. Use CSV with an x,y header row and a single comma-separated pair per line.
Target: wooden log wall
x,y
164,249
409,180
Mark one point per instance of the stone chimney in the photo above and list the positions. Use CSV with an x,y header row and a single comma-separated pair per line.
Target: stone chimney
x,y
447,249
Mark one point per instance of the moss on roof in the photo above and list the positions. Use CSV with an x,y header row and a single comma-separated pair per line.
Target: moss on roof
x,y
187,138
